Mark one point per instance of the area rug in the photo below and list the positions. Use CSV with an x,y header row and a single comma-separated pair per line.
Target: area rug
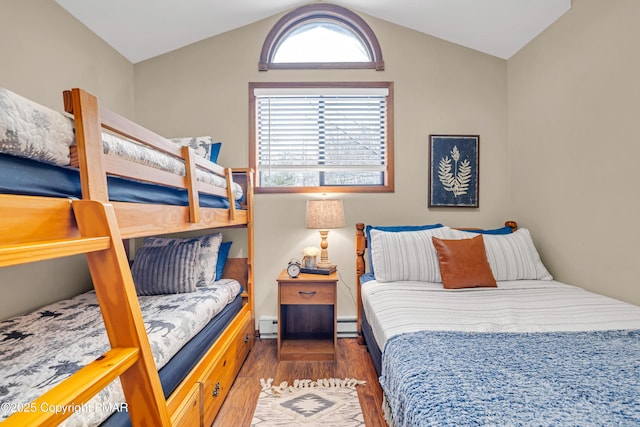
x,y
325,402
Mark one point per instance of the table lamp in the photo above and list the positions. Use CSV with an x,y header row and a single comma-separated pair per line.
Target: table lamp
x,y
324,215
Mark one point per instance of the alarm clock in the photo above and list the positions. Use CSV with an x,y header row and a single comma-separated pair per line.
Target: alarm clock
x,y
293,268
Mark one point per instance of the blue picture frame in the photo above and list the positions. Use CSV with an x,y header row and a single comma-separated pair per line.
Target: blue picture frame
x,y
454,171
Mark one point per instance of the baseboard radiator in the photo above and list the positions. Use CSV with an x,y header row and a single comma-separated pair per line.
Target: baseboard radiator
x,y
346,327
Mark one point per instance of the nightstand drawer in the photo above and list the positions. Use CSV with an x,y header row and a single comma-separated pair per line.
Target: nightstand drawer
x,y
307,293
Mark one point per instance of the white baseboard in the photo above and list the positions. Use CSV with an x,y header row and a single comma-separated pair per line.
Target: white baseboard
x,y
347,327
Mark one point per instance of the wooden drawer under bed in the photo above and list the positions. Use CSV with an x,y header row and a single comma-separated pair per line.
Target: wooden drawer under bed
x,y
220,377
211,380
189,413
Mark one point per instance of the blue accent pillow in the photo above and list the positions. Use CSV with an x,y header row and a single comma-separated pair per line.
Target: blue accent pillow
x,y
166,267
502,230
223,254
215,151
393,229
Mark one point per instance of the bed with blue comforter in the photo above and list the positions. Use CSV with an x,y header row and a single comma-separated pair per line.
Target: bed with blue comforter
x,y
522,350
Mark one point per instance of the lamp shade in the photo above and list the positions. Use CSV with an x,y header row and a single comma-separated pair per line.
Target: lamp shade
x,y
324,214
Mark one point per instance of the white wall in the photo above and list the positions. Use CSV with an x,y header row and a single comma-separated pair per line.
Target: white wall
x,y
44,51
574,145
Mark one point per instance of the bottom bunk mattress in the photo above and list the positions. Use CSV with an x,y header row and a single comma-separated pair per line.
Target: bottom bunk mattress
x,y
32,178
527,352
42,348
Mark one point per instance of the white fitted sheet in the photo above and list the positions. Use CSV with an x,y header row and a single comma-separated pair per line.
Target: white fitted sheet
x,y
393,308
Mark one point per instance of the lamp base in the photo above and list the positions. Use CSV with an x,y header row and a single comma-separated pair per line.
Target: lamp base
x,y
324,265
324,253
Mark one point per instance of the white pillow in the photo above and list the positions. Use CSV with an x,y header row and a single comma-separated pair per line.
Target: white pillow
x,y
511,256
200,144
406,255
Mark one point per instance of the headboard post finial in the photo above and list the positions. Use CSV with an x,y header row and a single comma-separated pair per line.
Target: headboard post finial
x,y
361,245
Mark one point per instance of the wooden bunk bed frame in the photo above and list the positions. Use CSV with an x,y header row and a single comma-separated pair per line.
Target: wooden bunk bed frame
x,y
39,228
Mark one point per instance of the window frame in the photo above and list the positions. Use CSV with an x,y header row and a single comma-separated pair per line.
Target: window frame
x,y
388,175
315,12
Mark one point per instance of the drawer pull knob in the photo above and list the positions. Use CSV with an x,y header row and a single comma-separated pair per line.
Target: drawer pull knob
x,y
307,293
246,338
216,390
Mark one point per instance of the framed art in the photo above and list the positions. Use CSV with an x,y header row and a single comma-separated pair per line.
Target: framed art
x,y
454,173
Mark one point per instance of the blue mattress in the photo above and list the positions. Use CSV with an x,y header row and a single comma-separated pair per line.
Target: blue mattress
x,y
32,178
181,364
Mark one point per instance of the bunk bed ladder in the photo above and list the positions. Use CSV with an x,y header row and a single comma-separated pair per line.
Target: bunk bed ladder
x,y
120,309
90,229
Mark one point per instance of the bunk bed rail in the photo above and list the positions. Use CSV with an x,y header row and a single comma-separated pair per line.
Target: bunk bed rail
x,y
91,120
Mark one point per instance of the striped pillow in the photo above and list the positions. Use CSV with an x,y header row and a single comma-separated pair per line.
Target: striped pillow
x,y
168,267
207,256
406,255
511,256
395,229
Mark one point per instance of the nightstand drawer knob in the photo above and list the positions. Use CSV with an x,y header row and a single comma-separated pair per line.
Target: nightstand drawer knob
x,y
307,293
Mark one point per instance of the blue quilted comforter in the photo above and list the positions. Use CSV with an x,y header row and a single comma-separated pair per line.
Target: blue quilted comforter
x,y
513,379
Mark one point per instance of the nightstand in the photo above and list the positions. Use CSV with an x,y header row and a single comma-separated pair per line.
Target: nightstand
x,y
307,316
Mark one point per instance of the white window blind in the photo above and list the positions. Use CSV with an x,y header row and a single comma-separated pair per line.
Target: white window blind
x,y
321,136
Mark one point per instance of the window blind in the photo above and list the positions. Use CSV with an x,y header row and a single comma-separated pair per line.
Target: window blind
x,y
338,131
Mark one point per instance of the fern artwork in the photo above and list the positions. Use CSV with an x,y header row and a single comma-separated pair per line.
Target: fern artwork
x,y
454,170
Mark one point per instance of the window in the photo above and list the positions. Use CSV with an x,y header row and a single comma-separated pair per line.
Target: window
x,y
321,36
322,137
320,42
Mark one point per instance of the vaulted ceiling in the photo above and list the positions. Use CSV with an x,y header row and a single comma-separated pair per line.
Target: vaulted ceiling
x,y
142,29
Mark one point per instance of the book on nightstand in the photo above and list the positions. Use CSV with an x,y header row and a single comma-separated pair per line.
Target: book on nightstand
x,y
325,271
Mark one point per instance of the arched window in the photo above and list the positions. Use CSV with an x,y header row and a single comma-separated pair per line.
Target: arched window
x,y
321,36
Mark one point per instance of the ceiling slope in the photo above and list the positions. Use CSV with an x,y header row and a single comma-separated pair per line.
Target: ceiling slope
x,y
142,29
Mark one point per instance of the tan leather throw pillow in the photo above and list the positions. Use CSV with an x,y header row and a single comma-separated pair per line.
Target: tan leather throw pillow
x,y
463,263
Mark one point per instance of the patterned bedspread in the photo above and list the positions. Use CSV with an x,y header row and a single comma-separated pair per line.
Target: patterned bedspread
x,y
40,349
438,378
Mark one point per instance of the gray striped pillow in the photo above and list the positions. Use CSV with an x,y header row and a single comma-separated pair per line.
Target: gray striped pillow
x,y
207,256
511,256
406,255
168,267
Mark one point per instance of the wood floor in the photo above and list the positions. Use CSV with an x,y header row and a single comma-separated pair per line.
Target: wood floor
x,y
352,361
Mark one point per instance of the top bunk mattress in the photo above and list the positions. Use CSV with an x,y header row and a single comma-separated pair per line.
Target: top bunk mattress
x,y
33,178
32,131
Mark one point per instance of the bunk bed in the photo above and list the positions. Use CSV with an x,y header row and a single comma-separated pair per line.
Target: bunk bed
x,y
92,204
467,327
